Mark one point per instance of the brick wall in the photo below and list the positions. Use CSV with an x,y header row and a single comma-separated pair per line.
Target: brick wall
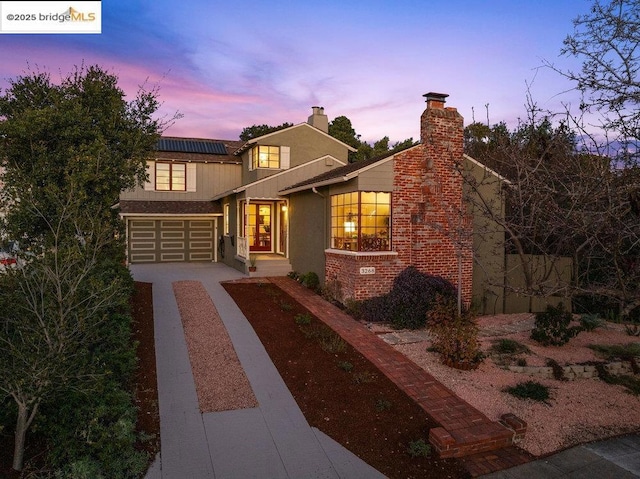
x,y
430,229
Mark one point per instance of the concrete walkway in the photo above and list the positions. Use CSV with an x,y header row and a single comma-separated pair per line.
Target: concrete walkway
x,y
271,441
617,458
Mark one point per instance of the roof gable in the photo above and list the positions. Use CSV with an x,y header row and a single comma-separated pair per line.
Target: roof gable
x,y
344,173
253,141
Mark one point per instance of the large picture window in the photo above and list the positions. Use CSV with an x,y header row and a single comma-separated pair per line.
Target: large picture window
x,y
266,157
171,176
361,221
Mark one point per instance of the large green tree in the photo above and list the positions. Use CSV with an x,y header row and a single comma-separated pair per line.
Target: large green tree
x,y
67,150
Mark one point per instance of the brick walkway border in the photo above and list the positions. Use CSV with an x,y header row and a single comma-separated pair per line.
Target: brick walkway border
x,y
485,446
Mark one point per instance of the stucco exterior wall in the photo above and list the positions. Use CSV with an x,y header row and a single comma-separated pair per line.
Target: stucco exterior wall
x,y
488,238
307,233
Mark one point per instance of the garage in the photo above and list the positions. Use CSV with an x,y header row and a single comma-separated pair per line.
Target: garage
x,y
162,240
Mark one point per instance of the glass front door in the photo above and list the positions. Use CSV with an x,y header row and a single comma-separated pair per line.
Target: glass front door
x,y
259,232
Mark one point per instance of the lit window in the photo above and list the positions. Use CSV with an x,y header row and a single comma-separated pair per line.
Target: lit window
x,y
226,219
171,177
266,157
361,221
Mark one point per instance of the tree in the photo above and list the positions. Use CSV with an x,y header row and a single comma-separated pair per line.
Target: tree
x,y
556,201
255,131
342,129
607,40
67,151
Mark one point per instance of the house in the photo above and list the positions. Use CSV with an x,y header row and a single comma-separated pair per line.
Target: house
x,y
291,200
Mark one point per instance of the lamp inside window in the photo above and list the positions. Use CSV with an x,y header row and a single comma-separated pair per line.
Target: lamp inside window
x,y
349,225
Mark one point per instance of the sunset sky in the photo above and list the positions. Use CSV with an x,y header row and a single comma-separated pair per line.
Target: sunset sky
x,y
227,65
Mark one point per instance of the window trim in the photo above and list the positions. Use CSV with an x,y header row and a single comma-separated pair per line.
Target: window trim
x,y
255,157
171,165
354,220
226,226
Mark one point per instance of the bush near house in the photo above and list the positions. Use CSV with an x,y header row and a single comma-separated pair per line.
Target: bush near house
x,y
552,326
455,334
406,305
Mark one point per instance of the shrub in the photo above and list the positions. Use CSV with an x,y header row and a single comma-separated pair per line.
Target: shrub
x,y
332,290
529,390
412,295
383,404
455,334
590,322
632,329
558,371
624,352
631,383
329,340
346,366
419,448
508,347
311,280
303,319
286,306
552,326
332,343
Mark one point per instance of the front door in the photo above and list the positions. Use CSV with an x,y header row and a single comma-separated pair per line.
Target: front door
x,y
259,222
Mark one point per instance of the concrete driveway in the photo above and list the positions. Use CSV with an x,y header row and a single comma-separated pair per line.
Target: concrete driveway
x,y
271,441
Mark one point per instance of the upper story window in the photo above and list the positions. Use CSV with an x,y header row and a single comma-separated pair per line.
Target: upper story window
x,y
265,157
361,221
171,176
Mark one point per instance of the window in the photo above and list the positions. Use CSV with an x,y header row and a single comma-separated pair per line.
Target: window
x,y
226,219
361,221
171,177
266,157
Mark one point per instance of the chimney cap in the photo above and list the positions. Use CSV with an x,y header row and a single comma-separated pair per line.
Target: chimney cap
x,y
435,96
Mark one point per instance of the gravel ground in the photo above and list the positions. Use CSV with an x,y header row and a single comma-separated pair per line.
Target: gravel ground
x,y
221,383
579,411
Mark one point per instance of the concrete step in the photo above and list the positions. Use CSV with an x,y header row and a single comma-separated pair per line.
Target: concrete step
x,y
271,266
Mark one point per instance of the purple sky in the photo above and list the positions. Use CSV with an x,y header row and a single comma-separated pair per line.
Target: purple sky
x,y
227,65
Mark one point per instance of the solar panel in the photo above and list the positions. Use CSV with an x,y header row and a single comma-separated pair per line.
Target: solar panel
x,y
191,146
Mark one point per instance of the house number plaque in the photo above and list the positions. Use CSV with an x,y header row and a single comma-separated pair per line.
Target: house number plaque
x,y
368,270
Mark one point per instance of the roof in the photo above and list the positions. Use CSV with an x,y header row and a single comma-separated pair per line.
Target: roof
x,y
253,141
343,173
130,207
197,149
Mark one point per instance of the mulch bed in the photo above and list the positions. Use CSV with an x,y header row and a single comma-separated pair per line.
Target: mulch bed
x,y
357,406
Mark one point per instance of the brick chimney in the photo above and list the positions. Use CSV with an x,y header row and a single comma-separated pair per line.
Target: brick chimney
x,y
440,123
318,119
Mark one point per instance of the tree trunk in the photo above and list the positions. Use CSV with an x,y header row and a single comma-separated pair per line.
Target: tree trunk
x,y
22,425
21,433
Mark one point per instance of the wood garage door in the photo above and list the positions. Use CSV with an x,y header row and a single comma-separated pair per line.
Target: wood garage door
x,y
158,241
